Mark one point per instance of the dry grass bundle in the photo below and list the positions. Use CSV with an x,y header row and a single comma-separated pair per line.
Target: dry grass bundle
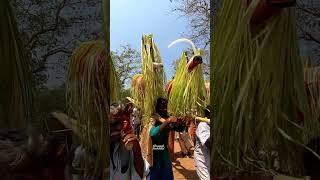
x,y
87,96
137,90
15,75
187,95
153,75
257,91
311,79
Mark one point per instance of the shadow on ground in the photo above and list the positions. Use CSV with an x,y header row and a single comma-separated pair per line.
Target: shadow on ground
x,y
183,166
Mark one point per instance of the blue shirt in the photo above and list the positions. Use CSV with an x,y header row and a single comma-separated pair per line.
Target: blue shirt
x,y
161,157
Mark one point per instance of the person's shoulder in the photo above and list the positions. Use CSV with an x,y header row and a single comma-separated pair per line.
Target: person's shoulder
x,y
154,118
203,124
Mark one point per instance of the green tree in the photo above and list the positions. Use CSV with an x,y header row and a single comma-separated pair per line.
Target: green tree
x,y
308,20
47,101
124,93
127,63
52,29
197,12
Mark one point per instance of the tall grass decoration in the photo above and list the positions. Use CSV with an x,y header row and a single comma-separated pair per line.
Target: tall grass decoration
x,y
137,90
207,95
114,81
256,91
311,79
87,98
187,96
153,75
15,75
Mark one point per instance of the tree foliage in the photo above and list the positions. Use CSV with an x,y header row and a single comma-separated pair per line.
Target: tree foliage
x,y
51,29
308,20
127,63
197,13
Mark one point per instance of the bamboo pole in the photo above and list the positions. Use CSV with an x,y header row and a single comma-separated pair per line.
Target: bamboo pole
x,y
202,119
68,122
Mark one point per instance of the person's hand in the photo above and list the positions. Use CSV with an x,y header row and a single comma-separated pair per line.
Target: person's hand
x,y
181,121
172,119
130,141
115,131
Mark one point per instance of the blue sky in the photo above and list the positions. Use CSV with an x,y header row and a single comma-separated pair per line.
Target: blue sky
x,y
130,19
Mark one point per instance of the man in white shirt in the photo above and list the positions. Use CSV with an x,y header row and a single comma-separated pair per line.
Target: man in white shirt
x,y
136,121
202,150
126,162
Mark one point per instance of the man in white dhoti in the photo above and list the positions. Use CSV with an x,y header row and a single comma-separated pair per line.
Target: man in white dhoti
x,y
202,150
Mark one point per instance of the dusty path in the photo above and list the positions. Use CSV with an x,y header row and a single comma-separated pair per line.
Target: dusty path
x,y
183,167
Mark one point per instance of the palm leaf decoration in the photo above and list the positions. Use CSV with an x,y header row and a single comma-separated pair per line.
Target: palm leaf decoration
x,y
114,81
153,75
207,87
137,90
257,91
311,79
154,79
187,95
15,75
88,96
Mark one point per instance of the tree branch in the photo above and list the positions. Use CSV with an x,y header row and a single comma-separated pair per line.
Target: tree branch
x,y
42,63
306,10
312,38
52,28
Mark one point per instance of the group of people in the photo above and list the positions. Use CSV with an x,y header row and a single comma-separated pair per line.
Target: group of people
x,y
126,160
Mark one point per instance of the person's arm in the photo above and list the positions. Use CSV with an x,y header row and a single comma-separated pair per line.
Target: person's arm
x,y
155,131
203,133
137,156
164,125
180,126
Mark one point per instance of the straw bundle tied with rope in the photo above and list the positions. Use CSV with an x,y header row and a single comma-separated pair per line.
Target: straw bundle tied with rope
x,y
257,89
187,95
87,97
311,80
137,90
152,83
153,75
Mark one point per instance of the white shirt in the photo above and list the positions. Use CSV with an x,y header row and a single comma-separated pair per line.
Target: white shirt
x,y
135,116
123,167
201,152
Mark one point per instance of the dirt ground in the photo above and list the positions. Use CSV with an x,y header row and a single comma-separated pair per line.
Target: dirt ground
x,y
183,167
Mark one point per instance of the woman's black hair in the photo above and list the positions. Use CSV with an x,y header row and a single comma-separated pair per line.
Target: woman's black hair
x,y
160,101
